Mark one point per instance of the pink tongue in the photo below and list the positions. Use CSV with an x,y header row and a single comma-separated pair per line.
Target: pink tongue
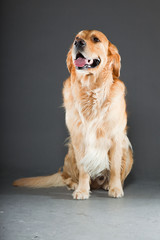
x,y
80,62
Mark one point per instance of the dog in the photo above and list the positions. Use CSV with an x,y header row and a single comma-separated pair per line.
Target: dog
x,y
99,152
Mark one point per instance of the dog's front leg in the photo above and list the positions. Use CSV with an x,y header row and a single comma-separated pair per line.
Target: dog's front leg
x,y
83,189
115,185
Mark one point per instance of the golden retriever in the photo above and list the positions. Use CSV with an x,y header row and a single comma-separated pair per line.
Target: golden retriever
x,y
99,151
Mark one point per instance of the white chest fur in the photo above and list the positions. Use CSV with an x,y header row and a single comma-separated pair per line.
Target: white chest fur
x,y
96,158
95,150
91,111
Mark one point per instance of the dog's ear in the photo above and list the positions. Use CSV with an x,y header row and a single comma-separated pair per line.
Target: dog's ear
x,y
115,59
69,60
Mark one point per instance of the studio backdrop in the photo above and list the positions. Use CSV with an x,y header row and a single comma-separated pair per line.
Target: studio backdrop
x,y
35,38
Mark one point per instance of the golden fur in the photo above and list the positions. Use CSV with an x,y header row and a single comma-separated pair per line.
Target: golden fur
x,y
99,152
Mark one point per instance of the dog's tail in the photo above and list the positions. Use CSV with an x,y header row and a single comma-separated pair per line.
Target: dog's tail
x,y
55,180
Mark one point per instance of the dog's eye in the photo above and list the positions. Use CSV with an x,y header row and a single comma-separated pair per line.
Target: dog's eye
x,y
95,39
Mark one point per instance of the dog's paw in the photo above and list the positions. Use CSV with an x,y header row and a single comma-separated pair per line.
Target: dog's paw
x,y
79,194
105,186
116,192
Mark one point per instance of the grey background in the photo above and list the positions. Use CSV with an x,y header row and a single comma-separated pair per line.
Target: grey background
x,y
35,38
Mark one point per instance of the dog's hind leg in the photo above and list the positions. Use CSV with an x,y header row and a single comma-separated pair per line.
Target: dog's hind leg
x,y
127,162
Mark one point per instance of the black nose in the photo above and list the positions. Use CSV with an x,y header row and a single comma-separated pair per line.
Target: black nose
x,y
80,43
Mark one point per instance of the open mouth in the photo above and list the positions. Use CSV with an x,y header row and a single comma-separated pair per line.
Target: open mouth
x,y
83,63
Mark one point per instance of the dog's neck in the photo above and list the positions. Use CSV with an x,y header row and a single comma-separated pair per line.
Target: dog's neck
x,y
91,92
93,81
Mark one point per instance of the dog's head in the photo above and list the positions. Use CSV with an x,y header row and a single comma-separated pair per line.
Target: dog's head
x,y
91,52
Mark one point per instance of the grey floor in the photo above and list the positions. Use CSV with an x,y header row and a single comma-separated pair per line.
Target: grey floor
x,y
45,214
